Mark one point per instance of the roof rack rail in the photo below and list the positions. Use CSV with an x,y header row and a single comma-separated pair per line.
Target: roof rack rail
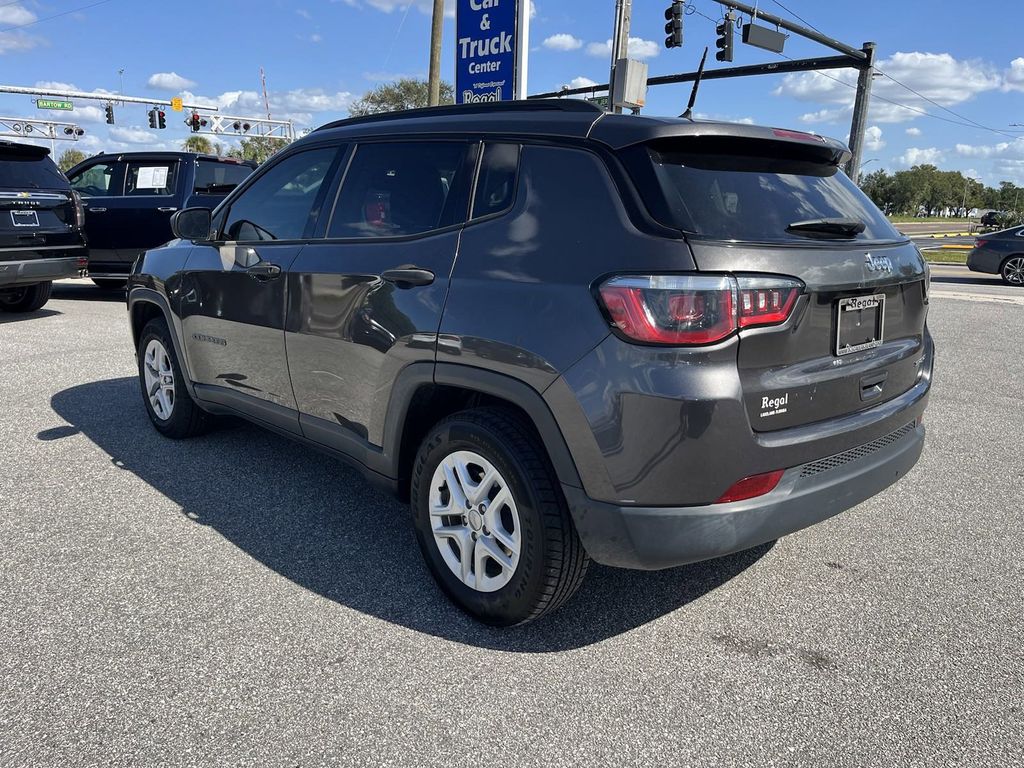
x,y
533,105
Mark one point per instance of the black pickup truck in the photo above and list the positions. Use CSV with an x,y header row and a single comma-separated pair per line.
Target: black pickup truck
x,y
129,198
41,236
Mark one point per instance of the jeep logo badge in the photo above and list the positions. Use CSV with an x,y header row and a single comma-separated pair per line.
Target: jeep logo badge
x,y
877,263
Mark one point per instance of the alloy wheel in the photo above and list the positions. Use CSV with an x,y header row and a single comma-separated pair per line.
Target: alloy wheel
x,y
159,375
1013,270
474,520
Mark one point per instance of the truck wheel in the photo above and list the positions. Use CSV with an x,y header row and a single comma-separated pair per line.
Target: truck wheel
x,y
112,284
491,520
170,407
27,299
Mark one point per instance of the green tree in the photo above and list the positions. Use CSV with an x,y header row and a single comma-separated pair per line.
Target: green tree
x,y
69,158
406,93
201,145
258,148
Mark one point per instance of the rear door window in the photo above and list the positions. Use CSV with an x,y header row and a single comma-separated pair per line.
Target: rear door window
x,y
756,197
29,169
99,180
496,186
217,178
399,189
151,177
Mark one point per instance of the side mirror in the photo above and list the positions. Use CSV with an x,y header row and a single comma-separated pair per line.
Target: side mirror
x,y
192,224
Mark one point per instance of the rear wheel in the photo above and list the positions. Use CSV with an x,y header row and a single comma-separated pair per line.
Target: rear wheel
x,y
491,520
111,283
170,408
1013,270
26,299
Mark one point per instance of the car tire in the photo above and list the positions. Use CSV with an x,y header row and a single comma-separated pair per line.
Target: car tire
x,y
524,556
170,407
109,283
27,299
1012,271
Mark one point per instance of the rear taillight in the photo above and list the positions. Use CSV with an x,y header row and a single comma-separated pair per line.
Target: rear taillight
x,y
79,210
980,243
749,487
684,310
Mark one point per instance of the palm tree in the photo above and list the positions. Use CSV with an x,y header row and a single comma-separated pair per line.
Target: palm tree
x,y
201,145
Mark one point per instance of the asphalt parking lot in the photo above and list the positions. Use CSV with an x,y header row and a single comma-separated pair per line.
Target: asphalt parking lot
x,y
241,600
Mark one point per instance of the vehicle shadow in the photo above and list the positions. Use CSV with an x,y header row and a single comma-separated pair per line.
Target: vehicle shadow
x,y
86,292
13,317
316,522
971,278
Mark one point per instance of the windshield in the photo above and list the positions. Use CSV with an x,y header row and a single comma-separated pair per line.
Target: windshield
x,y
30,171
756,198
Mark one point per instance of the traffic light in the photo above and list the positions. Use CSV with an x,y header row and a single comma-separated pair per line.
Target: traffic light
x,y
109,111
724,41
674,27
161,119
152,118
194,122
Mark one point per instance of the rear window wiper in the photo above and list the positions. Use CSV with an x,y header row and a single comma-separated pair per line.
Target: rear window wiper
x,y
827,227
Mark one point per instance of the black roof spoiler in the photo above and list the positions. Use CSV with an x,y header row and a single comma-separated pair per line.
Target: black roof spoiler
x,y
29,150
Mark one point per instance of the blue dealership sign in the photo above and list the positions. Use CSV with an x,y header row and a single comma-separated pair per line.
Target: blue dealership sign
x,y
487,50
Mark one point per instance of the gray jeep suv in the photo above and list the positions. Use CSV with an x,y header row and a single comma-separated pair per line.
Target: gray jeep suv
x,y
561,334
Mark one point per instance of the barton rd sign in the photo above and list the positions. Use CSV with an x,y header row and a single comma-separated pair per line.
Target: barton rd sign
x,y
490,50
54,104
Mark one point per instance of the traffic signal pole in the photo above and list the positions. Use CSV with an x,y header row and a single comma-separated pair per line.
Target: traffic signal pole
x,y
860,113
620,46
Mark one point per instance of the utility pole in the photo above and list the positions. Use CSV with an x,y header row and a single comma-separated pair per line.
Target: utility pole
x,y
620,46
860,112
434,77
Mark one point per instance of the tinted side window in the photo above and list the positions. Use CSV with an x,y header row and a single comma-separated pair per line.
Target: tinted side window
x,y
281,204
98,180
215,177
395,189
151,177
496,187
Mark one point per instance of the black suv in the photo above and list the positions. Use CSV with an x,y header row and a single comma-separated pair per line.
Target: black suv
x,y
129,198
41,236
562,334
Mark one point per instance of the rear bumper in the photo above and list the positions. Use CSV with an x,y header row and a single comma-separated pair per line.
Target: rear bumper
x,y
32,271
651,538
980,260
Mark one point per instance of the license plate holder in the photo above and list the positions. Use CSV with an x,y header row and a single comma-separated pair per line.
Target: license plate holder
x,y
25,218
860,323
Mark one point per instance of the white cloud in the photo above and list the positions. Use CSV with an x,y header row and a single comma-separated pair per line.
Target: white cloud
x,y
563,42
922,156
304,14
299,104
581,82
938,76
873,138
169,81
15,42
132,135
15,15
638,48
1013,78
316,37
913,131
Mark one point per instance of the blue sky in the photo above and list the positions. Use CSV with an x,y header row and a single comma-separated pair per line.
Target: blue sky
x,y
321,54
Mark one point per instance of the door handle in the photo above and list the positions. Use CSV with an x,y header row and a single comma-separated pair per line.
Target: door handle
x,y
166,208
407,277
95,210
264,271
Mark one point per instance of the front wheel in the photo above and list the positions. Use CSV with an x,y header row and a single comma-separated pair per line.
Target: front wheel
x,y
1013,271
170,407
491,520
26,299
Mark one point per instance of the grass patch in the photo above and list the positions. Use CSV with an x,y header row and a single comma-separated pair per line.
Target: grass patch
x,y
946,255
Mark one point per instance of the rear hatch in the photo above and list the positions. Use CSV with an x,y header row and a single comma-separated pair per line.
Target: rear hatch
x,y
38,211
781,207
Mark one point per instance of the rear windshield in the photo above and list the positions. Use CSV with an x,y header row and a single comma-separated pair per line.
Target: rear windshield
x,y
755,198
221,178
29,171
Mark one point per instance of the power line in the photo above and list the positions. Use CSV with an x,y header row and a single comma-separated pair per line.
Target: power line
x,y
55,16
798,17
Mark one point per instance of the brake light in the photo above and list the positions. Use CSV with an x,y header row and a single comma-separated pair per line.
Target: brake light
x,y
683,310
749,487
784,133
980,243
